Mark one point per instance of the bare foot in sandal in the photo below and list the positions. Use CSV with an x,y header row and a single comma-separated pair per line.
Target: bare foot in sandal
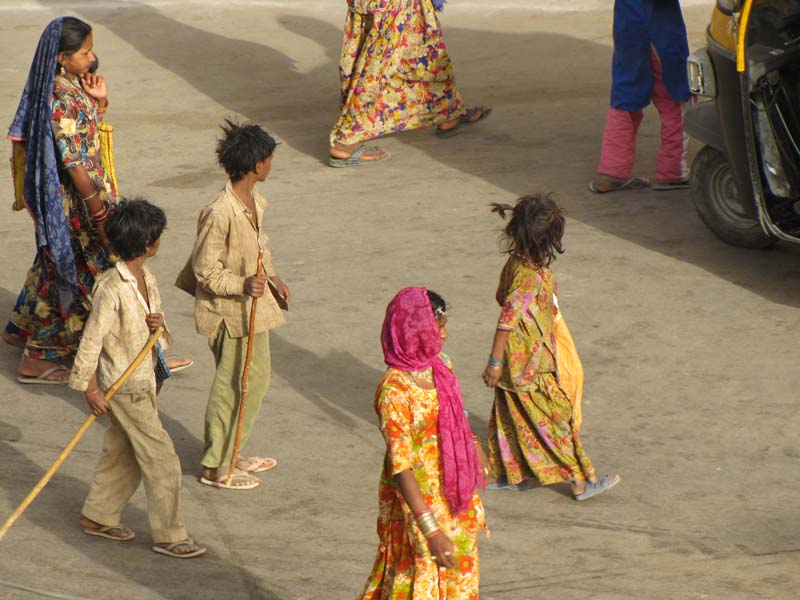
x,y
255,464
583,490
241,480
603,184
118,533
454,126
34,370
344,151
187,548
175,364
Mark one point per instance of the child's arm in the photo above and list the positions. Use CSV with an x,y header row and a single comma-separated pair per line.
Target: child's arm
x,y
207,257
269,269
99,323
156,318
493,370
96,398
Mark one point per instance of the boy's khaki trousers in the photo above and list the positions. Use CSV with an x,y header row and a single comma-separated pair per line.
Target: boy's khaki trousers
x,y
223,401
137,448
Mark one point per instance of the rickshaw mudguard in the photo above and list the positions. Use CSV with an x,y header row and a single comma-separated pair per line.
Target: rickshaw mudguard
x,y
701,122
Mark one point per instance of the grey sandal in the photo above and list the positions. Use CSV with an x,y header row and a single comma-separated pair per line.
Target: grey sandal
x,y
465,120
355,159
602,484
607,184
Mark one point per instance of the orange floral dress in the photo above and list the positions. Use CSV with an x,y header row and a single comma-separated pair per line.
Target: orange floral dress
x,y
404,569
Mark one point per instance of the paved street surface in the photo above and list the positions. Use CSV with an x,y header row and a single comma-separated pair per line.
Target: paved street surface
x,y
689,346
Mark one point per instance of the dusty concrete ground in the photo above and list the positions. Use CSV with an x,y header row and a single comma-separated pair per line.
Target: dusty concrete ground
x,y
688,344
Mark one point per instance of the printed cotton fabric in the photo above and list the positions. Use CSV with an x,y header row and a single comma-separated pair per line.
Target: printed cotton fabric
x,y
403,568
395,73
532,431
50,327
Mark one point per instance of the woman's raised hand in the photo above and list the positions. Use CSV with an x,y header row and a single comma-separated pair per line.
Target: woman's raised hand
x,y
443,550
95,86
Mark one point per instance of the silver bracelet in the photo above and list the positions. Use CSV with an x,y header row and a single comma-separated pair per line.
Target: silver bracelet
x,y
496,362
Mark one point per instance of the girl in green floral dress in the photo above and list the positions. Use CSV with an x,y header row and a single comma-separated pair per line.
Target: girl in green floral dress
x,y
532,431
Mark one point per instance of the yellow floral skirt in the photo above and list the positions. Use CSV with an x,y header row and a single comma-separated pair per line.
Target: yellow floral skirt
x,y
395,73
532,434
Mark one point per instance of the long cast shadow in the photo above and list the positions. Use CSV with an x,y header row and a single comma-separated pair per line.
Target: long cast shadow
x,y
340,384
245,77
524,93
56,511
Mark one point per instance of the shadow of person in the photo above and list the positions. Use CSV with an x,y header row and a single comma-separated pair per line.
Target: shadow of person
x,y
339,384
545,135
251,79
549,114
53,517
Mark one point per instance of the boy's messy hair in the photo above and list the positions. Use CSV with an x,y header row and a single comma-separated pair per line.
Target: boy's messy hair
x,y
535,229
242,147
133,225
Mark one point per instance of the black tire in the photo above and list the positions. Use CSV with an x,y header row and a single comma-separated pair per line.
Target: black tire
x,y
715,197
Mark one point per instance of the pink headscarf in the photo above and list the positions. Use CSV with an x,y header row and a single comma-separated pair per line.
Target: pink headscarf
x,y
411,342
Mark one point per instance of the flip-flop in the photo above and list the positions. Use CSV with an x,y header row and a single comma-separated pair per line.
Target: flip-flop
x,y
105,532
239,481
256,464
465,120
41,378
169,549
356,160
666,186
179,368
602,484
503,484
619,185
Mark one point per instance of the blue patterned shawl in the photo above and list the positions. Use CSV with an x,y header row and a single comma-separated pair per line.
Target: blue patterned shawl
x,y
438,4
42,186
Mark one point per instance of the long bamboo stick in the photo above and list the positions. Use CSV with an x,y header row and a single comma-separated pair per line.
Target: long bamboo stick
x,y
245,374
84,428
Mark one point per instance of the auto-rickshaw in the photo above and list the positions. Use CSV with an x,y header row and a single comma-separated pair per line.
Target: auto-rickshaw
x,y
745,181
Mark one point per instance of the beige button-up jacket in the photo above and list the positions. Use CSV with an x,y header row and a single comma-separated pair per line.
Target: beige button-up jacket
x,y
225,253
116,332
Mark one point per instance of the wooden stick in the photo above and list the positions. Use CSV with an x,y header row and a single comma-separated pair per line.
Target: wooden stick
x,y
74,441
245,373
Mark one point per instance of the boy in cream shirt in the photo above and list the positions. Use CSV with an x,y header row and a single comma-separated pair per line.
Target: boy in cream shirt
x,y
126,308
230,232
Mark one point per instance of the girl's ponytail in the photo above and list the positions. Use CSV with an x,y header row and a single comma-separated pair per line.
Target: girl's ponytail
x,y
535,229
501,209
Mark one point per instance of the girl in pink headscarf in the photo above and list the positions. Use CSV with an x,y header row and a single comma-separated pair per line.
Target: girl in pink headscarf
x,y
429,512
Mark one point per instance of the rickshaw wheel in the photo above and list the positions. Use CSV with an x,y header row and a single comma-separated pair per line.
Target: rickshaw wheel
x,y
714,193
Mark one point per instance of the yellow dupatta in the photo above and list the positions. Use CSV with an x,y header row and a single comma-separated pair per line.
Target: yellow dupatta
x,y
570,369
19,158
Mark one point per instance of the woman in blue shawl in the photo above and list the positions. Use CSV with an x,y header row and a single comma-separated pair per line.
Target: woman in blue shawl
x,y
67,194
650,52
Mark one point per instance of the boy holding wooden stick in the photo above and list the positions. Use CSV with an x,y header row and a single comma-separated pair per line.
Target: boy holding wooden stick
x,y
126,308
230,234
